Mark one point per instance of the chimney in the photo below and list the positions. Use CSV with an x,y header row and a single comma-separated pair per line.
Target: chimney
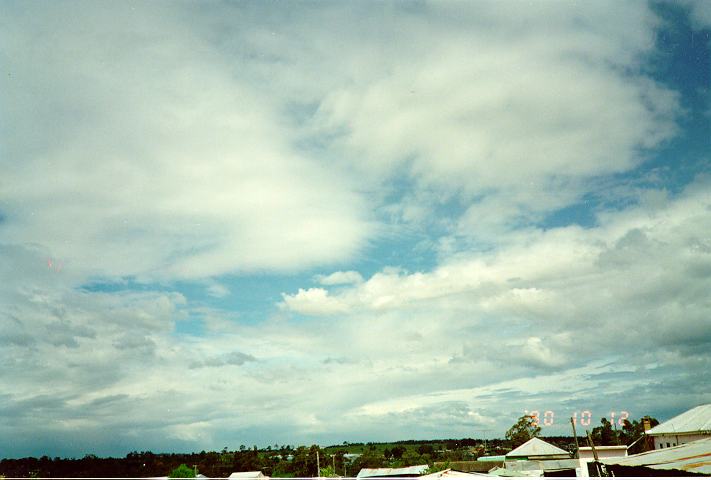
x,y
646,424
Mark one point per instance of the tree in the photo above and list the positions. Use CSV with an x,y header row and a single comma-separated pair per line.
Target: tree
x,y
434,468
328,472
425,449
183,471
604,435
632,431
397,451
523,430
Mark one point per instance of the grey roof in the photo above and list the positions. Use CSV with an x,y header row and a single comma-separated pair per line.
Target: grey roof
x,y
543,465
505,472
698,419
451,474
692,457
536,447
392,472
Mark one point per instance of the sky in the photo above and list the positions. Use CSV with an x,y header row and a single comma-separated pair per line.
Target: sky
x,y
227,223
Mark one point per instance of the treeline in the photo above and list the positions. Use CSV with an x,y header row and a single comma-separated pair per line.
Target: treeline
x,y
288,461
284,461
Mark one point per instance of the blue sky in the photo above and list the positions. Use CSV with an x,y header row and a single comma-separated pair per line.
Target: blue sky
x,y
243,223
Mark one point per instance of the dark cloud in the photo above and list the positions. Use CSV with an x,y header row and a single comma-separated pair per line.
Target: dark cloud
x,y
232,358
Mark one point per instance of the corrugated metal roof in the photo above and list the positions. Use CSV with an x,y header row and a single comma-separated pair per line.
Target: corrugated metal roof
x,y
505,472
491,458
451,474
698,419
392,472
536,447
692,457
543,465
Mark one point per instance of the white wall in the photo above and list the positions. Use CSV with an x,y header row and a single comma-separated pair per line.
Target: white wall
x,y
661,441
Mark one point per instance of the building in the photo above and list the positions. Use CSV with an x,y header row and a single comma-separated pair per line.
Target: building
x,y
472,466
450,474
690,458
537,458
351,457
414,471
537,449
254,475
694,424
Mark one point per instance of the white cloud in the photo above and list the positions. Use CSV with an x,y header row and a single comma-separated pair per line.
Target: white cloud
x,y
157,162
172,143
313,301
340,278
217,290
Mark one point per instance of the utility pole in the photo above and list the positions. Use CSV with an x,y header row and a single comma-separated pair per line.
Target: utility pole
x,y
594,452
318,464
575,436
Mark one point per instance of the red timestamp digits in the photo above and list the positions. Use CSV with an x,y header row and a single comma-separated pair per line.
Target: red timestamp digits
x,y
584,417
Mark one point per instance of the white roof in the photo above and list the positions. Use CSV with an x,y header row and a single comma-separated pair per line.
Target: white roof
x,y
392,472
536,447
604,447
253,474
698,419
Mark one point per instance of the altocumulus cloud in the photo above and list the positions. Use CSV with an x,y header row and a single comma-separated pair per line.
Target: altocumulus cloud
x,y
166,145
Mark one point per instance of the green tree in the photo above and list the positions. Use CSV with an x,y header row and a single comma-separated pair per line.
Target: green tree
x,y
397,451
605,434
438,467
183,471
328,472
522,431
633,431
425,449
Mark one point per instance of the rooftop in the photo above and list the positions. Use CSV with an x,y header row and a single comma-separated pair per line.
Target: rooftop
x,y
536,447
698,419
692,457
416,470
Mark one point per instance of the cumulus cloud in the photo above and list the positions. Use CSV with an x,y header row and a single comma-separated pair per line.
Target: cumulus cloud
x,y
313,301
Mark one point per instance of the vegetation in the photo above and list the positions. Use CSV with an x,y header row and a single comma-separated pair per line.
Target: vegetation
x,y
183,471
631,432
523,430
290,461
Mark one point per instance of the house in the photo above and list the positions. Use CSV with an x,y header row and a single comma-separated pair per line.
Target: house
x,y
537,449
537,458
690,458
414,471
253,475
689,426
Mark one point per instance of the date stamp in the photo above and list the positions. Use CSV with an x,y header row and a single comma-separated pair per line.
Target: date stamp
x,y
583,418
